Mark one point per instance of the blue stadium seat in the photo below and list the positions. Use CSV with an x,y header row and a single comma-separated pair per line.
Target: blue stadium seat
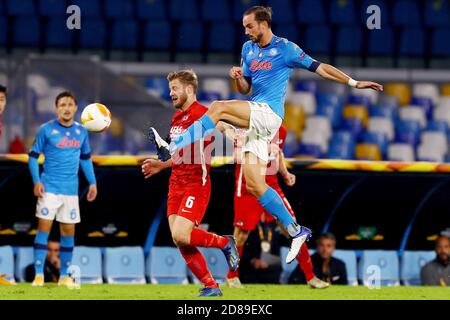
x,y
359,99
215,11
437,13
151,10
306,85
440,46
20,8
89,8
412,41
124,265
311,150
124,34
343,12
57,35
52,7
342,146
385,260
388,101
190,36
318,39
407,131
217,264
290,145
221,37
378,138
381,42
311,12
282,11
89,259
158,86
438,125
166,265
7,262
26,31
332,112
24,257
209,96
3,30
384,9
240,6
349,41
119,9
349,258
286,269
186,10
157,35
93,34
426,104
354,125
405,13
287,30
383,111
410,265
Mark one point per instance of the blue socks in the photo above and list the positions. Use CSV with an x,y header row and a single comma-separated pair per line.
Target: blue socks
x,y
40,252
65,253
199,129
273,203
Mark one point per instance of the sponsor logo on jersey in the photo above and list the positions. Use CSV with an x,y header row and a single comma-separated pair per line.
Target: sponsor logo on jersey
x,y
185,117
260,65
68,143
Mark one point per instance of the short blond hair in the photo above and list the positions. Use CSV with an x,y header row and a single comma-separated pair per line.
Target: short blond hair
x,y
186,77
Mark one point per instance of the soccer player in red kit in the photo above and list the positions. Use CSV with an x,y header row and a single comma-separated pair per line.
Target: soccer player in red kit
x,y
247,210
190,185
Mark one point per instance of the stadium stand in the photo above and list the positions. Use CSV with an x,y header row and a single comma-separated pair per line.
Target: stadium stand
x,y
7,262
24,257
89,259
410,265
350,260
165,265
382,263
124,265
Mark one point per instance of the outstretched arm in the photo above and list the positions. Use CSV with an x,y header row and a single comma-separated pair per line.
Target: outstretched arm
x,y
329,72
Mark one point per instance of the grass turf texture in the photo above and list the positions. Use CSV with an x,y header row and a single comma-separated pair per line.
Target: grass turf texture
x,y
24,291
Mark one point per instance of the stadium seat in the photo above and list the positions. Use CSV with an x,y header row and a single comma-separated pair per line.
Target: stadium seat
x,y
93,34
186,10
382,125
381,42
437,140
359,99
216,11
305,99
190,36
89,8
291,144
354,125
400,90
7,262
20,8
384,9
333,87
342,145
219,85
444,101
349,258
89,259
410,265
412,42
440,46
157,86
437,13
283,10
318,39
343,12
124,265
427,152
286,269
26,31
24,257
319,123
400,152
240,6
316,138
425,103
52,7
165,265
406,13
123,9
217,264
57,35
152,10
445,89
426,90
306,85
382,112
388,101
349,41
407,131
309,151
332,112
413,113
438,126
157,35
378,138
287,30
124,35
442,113
221,37
360,112
366,151
304,9
387,263
371,94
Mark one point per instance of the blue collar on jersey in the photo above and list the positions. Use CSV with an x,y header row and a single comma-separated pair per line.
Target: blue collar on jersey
x,y
271,42
61,125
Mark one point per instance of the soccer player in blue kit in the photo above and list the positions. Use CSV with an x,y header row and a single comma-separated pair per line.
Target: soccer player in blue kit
x,y
266,65
65,145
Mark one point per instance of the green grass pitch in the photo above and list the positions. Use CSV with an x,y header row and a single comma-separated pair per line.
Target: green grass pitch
x,y
24,291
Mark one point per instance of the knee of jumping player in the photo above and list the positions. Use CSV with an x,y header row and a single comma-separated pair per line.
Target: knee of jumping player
x,y
180,239
216,110
256,189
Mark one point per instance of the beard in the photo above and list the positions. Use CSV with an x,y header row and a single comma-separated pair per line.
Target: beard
x,y
180,101
257,38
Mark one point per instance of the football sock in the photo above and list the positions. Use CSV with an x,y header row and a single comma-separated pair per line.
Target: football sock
x,y
65,253
202,238
197,264
305,263
199,129
235,274
40,252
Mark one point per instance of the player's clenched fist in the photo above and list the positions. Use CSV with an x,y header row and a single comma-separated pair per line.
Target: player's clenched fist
x,y
151,167
236,73
39,189
92,193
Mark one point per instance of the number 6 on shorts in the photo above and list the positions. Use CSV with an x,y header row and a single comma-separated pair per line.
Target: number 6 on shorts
x,y
190,202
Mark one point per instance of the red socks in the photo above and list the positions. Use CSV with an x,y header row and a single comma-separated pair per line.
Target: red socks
x,y
197,264
305,263
202,238
235,274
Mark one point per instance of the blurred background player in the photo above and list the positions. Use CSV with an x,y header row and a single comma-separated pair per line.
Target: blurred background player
x,y
247,210
190,185
437,272
3,96
52,264
267,63
65,145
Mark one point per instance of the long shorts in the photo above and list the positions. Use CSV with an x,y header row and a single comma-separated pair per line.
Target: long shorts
x,y
65,208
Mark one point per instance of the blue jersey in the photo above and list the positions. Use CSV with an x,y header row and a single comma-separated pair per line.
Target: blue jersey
x,y
63,147
268,69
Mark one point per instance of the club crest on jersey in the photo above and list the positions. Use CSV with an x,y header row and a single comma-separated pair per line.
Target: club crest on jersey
x,y
54,131
77,131
260,65
68,143
273,52
185,117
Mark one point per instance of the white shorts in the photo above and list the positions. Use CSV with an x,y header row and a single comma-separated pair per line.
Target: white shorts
x,y
264,124
62,207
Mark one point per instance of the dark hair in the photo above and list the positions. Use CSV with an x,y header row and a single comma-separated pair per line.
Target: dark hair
x,y
65,94
186,77
4,90
261,14
327,235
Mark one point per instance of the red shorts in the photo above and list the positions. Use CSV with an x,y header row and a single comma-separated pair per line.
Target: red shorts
x,y
189,202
